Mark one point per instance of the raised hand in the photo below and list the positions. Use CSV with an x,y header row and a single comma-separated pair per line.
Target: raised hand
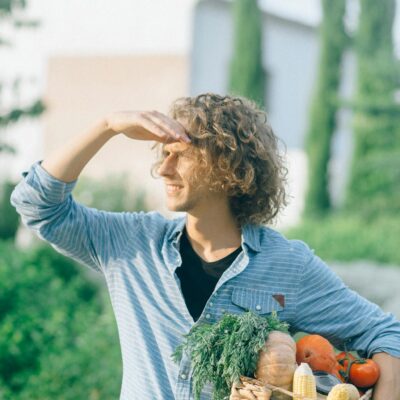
x,y
147,125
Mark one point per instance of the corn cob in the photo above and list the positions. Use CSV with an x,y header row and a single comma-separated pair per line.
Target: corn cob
x,y
304,383
343,391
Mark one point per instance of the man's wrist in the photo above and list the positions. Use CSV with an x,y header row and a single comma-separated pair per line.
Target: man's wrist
x,y
104,129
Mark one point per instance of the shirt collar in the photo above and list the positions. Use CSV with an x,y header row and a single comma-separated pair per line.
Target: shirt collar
x,y
250,233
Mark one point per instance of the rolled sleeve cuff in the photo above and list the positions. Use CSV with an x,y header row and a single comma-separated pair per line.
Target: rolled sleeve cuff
x,y
383,346
51,188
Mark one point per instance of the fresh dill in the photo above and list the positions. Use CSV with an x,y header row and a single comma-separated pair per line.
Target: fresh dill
x,y
220,353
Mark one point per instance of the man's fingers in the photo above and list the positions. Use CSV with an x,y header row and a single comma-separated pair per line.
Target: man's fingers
x,y
173,126
155,129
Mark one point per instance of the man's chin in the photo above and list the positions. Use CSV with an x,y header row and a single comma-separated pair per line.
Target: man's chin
x,y
177,207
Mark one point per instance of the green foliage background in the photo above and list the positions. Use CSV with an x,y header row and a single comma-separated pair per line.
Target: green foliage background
x,y
367,225
325,105
9,220
351,237
375,175
58,338
247,76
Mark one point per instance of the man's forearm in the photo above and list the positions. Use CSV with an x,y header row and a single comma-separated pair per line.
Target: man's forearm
x,y
67,163
388,385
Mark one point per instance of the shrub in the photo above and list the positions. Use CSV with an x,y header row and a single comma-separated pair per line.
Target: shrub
x,y
9,220
349,237
54,325
111,194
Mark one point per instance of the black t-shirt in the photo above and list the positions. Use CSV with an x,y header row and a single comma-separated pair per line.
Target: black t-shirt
x,y
198,278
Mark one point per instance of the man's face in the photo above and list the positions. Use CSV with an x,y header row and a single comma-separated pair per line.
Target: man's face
x,y
183,193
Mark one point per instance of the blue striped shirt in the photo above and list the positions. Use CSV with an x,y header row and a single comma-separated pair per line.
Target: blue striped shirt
x,y
138,253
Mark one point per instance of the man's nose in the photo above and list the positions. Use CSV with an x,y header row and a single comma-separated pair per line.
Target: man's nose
x,y
167,167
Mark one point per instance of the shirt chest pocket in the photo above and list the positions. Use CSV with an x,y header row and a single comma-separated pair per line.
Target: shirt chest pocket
x,y
257,301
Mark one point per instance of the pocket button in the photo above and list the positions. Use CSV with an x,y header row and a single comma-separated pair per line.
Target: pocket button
x,y
258,307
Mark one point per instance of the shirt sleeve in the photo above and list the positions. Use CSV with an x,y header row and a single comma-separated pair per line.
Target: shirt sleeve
x,y
326,306
47,207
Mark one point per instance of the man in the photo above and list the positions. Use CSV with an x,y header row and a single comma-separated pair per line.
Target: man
x,y
221,165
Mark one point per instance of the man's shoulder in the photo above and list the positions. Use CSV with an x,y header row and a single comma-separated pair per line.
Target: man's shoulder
x,y
273,239
153,223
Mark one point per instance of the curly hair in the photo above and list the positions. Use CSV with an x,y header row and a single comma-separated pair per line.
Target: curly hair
x,y
237,152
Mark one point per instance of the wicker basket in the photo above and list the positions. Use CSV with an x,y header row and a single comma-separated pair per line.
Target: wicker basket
x,y
254,389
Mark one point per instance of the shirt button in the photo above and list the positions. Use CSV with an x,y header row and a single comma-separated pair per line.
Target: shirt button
x,y
208,316
258,307
183,376
211,304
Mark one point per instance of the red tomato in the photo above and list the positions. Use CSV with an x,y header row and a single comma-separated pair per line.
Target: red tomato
x,y
364,373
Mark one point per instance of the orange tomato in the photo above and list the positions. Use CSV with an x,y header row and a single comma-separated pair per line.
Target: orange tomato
x,y
318,353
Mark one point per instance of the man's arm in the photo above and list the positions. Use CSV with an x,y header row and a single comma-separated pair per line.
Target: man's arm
x,y
388,385
67,163
326,306
44,201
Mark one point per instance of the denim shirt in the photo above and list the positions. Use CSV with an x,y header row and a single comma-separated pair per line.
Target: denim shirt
x,y
138,253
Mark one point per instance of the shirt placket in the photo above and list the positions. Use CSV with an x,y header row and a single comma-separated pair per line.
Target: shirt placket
x,y
184,382
183,385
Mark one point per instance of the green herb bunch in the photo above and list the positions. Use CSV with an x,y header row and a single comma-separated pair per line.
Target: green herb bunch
x,y
220,353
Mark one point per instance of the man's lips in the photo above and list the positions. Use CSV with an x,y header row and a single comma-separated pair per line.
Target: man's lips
x,y
173,188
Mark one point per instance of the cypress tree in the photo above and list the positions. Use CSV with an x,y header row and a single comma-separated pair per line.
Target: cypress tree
x,y
324,106
375,174
247,76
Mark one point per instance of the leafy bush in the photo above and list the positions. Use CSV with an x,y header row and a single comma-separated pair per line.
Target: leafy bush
x,y
349,237
9,220
111,194
58,338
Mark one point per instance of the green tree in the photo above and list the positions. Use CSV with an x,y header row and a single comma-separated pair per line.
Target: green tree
x,y
375,174
324,106
247,76
58,338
